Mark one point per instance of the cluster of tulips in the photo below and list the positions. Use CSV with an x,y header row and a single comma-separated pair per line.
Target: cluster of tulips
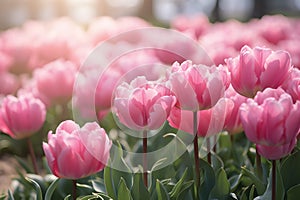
x,y
252,87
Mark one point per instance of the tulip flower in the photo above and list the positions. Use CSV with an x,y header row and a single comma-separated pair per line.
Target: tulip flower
x,y
74,152
233,123
271,119
254,70
21,117
143,105
54,82
196,87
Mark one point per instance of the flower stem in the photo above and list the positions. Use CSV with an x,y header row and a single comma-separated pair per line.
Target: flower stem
x,y
145,158
258,165
74,189
273,179
196,154
32,156
208,150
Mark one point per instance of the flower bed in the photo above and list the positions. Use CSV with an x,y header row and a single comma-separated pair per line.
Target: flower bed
x,y
122,109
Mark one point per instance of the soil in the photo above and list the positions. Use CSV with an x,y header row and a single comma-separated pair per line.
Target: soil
x,y
8,166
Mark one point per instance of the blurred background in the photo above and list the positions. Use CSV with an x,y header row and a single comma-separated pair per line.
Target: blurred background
x,y
16,12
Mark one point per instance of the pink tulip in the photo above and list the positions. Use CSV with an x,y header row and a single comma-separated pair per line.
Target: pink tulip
x,y
9,83
74,152
196,87
291,85
142,104
21,117
254,69
54,82
271,118
233,123
197,24
276,152
210,121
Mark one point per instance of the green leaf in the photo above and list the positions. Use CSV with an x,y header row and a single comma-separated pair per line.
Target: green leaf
x,y
10,196
51,189
177,188
234,181
138,190
260,186
109,186
208,178
90,197
68,197
185,189
115,174
123,191
290,170
161,191
221,189
279,187
293,193
37,188
3,197
98,185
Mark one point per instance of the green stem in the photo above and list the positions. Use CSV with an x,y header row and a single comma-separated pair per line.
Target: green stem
x,y
273,179
145,158
74,194
32,155
196,151
258,165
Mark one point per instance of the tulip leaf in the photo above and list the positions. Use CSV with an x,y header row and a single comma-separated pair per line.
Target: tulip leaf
x,y
10,195
139,190
184,192
68,197
260,186
98,185
37,188
177,187
221,189
293,193
3,197
208,178
51,189
291,164
279,187
161,191
110,189
123,191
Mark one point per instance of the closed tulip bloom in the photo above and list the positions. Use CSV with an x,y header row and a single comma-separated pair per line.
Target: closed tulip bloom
x,y
54,82
21,117
142,104
271,118
74,152
196,87
254,69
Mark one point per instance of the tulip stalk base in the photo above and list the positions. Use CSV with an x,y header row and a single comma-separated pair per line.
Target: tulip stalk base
x,y
208,151
32,156
74,192
258,165
196,154
273,179
145,158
